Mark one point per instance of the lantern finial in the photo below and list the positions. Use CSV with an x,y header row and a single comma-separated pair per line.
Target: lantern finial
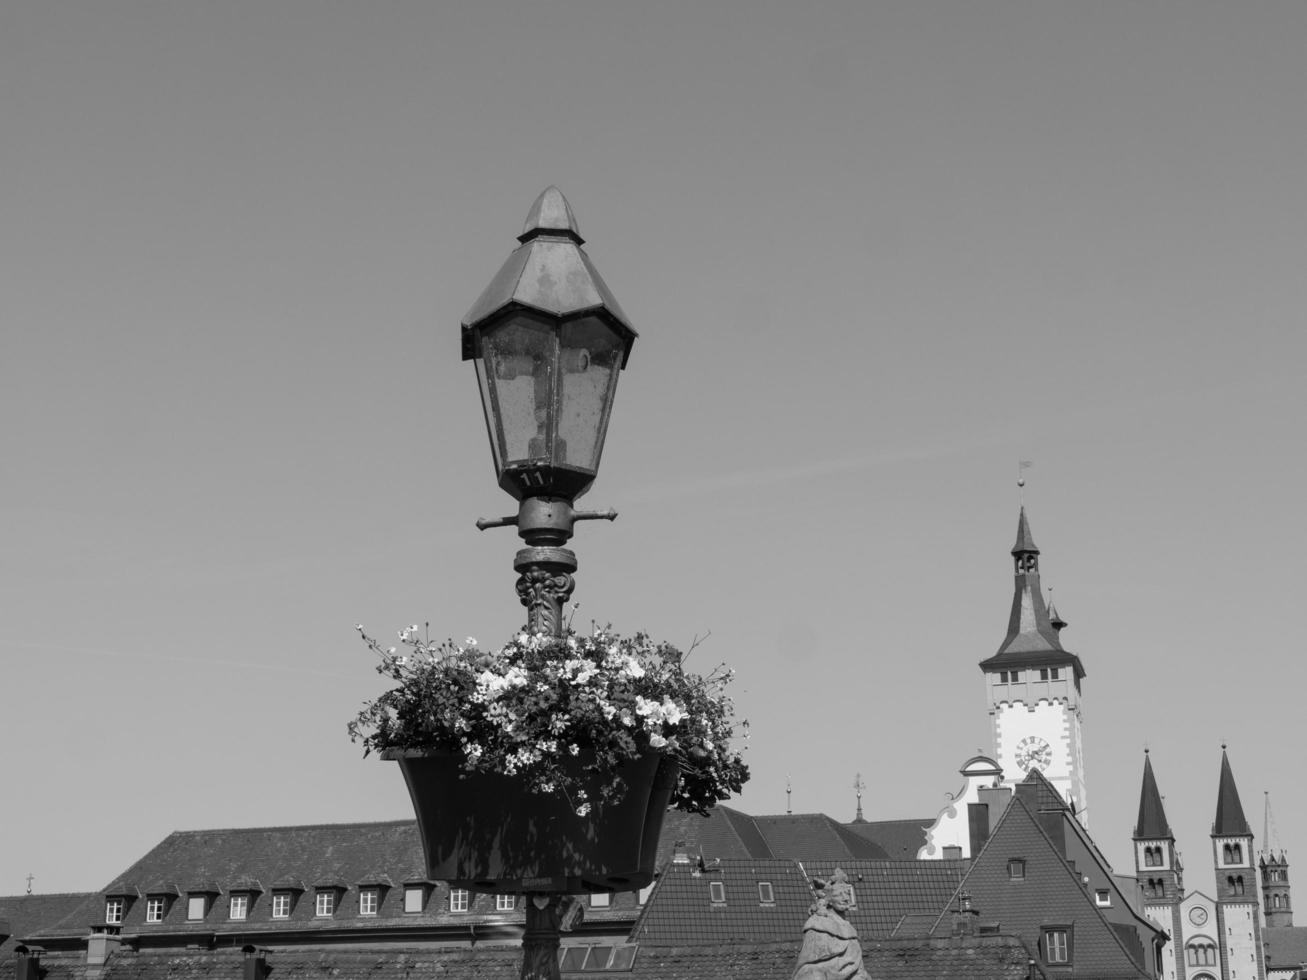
x,y
551,215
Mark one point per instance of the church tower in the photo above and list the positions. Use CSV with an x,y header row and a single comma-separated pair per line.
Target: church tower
x,y
1240,927
1033,687
1157,862
1275,890
1158,869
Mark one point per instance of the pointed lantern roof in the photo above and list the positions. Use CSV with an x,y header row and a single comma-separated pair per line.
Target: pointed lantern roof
x,y
1151,824
549,272
1032,638
1230,821
1025,540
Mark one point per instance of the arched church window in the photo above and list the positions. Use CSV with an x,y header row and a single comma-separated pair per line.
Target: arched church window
x,y
1238,885
1227,854
1275,901
1237,851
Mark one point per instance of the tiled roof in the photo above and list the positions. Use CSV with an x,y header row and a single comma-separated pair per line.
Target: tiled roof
x,y
723,833
313,963
681,911
1048,891
899,839
1286,946
972,957
887,891
814,837
1041,795
26,914
260,861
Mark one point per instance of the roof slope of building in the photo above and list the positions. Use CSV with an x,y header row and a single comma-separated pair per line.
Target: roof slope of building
x,y
22,915
1152,817
888,891
1041,889
899,839
814,837
1286,947
728,901
1230,821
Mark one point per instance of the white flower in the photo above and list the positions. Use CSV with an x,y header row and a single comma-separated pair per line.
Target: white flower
x,y
656,741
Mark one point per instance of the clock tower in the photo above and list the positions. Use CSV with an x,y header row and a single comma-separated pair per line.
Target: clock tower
x,y
1033,687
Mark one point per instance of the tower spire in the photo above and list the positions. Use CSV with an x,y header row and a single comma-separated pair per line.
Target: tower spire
x,y
1152,816
1230,821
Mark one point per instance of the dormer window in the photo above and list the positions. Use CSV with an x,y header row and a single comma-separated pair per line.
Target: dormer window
x,y
369,900
459,900
281,904
155,908
113,911
325,902
1016,869
415,899
197,906
239,907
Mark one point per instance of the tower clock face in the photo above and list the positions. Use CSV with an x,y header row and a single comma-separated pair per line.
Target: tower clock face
x,y
1033,753
1198,916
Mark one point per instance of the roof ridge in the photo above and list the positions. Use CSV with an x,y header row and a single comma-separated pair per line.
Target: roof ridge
x,y
298,826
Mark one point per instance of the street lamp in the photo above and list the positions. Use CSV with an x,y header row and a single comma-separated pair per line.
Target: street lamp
x,y
548,340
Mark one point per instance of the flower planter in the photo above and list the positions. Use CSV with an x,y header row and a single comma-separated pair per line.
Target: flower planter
x,y
486,832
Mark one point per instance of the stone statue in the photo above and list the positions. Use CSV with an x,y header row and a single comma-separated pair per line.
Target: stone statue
x,y
831,950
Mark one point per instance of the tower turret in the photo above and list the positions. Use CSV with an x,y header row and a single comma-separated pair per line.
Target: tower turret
x,y
1033,686
1157,863
1275,890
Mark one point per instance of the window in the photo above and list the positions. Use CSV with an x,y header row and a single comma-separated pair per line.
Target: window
x,y
281,905
1201,953
113,911
601,900
1016,869
414,898
1275,901
506,903
1103,898
458,900
1043,673
196,906
369,899
239,907
1002,676
717,892
1016,676
326,903
765,894
1057,945
154,908
1237,851
1055,673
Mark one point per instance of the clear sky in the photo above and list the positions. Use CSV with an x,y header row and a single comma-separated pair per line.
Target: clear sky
x,y
877,253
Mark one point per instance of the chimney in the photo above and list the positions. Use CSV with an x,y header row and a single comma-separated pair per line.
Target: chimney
x,y
982,816
27,965
964,919
99,947
256,963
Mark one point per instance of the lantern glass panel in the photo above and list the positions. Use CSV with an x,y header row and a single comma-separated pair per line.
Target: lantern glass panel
x,y
589,357
517,381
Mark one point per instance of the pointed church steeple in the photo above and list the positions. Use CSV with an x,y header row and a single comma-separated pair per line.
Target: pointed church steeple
x,y
1152,817
1230,821
1232,842
1157,863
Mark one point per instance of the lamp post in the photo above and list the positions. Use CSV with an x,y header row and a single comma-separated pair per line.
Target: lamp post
x,y
548,340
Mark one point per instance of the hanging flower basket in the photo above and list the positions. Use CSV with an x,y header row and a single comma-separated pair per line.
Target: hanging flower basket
x,y
547,765
490,833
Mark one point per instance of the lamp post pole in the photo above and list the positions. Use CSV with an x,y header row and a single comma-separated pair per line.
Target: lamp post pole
x,y
548,341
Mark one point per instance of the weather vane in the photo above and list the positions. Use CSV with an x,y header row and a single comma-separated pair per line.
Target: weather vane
x,y
1022,466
